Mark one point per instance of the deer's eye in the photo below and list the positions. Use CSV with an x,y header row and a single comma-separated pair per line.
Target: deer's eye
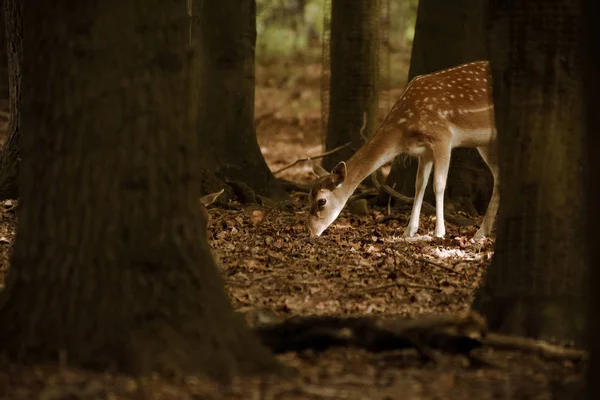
x,y
321,202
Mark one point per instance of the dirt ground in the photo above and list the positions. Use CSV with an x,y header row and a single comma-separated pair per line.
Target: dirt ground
x,y
360,266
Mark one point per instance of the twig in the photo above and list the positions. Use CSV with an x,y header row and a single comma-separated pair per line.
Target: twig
x,y
436,264
311,158
389,204
538,347
363,126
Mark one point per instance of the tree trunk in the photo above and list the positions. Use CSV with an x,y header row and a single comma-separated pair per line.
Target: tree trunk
x,y
591,88
536,284
354,82
111,266
224,33
449,33
4,91
10,155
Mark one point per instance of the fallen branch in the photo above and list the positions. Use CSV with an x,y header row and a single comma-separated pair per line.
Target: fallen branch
x,y
450,333
538,347
312,158
454,334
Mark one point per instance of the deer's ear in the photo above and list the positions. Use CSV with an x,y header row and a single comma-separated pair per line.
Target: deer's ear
x,y
317,169
210,198
338,173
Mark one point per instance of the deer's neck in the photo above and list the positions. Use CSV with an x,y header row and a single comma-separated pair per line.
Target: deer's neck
x,y
376,152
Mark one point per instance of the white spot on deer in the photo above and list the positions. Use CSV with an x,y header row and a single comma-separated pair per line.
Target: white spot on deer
x,y
402,120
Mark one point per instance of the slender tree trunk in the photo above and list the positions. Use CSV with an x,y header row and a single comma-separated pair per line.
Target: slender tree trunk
x,y
111,267
10,155
536,284
224,33
449,33
354,85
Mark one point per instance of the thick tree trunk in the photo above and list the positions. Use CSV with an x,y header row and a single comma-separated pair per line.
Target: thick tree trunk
x,y
224,33
536,284
3,57
449,33
354,82
111,267
591,88
10,155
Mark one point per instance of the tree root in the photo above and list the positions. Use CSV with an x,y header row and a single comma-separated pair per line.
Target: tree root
x,y
539,347
456,334
451,334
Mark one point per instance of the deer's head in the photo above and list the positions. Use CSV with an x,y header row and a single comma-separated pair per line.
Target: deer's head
x,y
326,199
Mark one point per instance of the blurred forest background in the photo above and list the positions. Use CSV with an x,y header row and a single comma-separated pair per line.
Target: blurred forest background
x,y
290,85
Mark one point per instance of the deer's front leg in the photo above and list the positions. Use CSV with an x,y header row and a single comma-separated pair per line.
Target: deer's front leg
x,y
423,173
441,156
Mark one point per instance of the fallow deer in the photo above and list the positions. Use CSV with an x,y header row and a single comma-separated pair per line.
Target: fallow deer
x,y
436,113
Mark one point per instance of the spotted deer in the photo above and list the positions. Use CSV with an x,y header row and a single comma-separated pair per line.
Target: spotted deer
x,y
436,113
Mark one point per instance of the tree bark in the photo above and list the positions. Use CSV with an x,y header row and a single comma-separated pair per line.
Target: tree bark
x,y
449,33
224,33
591,88
536,284
10,155
111,267
354,84
4,91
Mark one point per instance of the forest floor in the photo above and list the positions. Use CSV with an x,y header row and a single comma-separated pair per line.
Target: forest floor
x,y
361,266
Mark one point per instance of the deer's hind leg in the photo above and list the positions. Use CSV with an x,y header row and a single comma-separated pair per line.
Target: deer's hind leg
x,y
490,156
441,160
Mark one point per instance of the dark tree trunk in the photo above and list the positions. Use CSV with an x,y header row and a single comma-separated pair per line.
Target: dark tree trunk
x,y
536,284
354,75
449,33
3,57
224,33
111,267
10,155
591,88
